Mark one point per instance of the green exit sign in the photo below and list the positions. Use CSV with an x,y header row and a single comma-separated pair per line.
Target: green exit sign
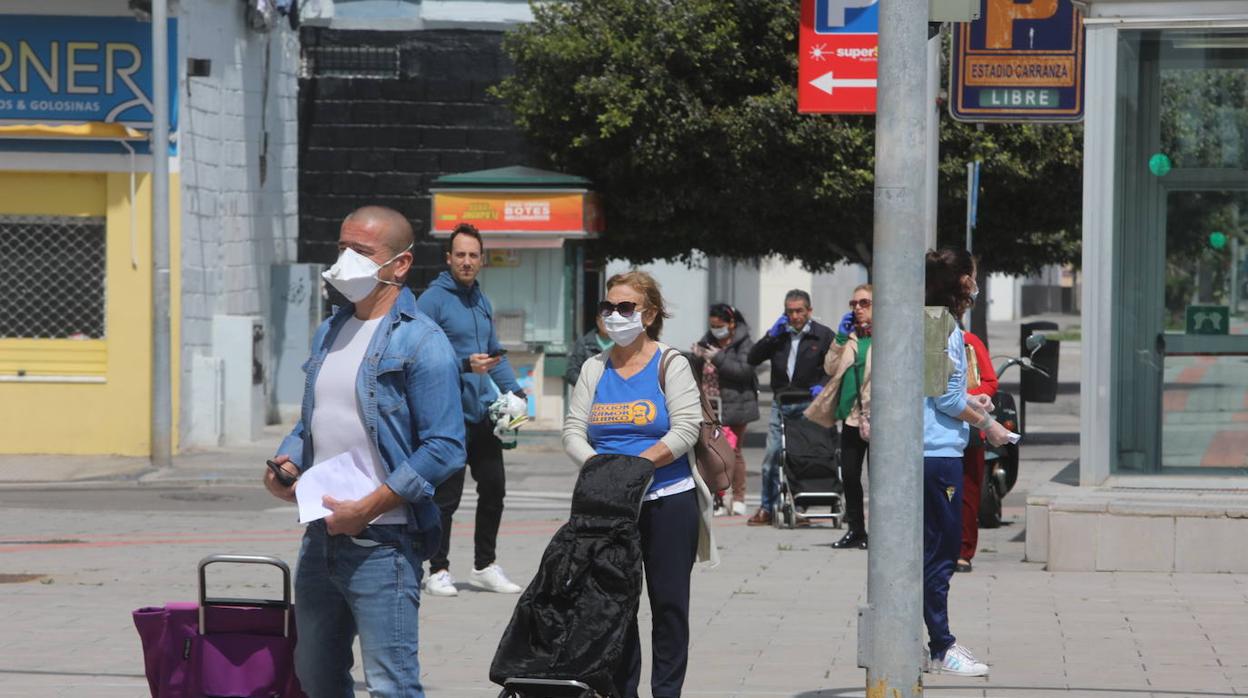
x,y
1208,319
1019,97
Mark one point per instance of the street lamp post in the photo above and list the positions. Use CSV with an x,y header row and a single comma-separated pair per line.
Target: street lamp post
x,y
162,389
890,625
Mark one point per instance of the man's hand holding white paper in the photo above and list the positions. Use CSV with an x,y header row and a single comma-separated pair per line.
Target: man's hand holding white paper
x,y
339,477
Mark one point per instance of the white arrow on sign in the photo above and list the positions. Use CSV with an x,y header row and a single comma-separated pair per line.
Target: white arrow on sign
x,y
827,82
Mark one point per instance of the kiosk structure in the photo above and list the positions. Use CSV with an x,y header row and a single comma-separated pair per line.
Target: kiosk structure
x,y
1163,458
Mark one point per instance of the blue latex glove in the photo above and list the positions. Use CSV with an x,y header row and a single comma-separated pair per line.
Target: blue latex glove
x,y
815,390
780,327
847,323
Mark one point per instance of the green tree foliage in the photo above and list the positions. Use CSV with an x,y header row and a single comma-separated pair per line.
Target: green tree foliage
x,y
684,114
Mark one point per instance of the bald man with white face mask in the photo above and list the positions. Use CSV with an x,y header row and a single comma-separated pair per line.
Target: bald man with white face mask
x,y
383,390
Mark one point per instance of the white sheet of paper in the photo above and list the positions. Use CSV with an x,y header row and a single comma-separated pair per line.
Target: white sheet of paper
x,y
340,477
1014,438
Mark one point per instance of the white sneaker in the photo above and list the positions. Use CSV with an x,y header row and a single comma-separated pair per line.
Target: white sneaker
x,y
719,511
959,661
441,583
738,508
492,579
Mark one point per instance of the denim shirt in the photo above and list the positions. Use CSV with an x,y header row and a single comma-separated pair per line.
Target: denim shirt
x,y
408,387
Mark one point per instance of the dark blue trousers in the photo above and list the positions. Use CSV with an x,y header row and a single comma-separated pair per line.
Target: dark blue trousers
x,y
942,538
669,547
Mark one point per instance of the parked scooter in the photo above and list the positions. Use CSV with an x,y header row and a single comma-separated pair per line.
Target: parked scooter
x,y
1001,462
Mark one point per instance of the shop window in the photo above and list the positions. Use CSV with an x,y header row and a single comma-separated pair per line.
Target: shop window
x,y
52,277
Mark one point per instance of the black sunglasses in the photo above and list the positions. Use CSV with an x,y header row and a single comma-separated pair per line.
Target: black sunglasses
x,y
624,308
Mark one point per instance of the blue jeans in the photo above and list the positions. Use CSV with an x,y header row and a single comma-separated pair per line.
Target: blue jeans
x,y
942,539
773,454
368,585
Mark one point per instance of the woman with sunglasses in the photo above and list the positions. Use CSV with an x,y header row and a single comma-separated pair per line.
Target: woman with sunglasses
x,y
619,407
847,399
721,363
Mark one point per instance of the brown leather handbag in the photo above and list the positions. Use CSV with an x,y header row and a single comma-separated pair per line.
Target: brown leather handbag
x,y
712,453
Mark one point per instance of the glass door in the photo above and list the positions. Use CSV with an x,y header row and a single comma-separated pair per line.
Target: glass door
x,y
1181,334
1204,346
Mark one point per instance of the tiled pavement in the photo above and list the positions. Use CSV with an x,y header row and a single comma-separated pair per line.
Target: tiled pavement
x,y
777,618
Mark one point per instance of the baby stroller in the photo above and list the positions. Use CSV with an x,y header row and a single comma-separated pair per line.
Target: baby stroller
x,y
809,473
566,636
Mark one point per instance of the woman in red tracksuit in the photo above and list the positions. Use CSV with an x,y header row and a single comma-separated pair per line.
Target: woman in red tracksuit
x,y
973,456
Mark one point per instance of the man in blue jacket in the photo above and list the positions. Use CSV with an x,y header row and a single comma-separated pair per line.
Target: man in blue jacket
x,y
382,383
455,301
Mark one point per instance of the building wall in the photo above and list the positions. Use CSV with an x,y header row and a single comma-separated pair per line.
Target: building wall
x,y
239,162
102,387
382,115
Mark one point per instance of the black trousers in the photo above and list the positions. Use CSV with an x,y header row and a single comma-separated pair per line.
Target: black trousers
x,y
853,453
485,460
669,547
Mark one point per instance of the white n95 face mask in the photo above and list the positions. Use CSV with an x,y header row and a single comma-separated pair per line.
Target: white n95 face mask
x,y
623,330
720,332
355,276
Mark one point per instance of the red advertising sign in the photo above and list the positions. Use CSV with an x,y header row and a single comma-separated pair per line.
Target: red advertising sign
x,y
838,57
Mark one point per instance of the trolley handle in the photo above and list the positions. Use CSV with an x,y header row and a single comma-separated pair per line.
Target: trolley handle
x,y
205,601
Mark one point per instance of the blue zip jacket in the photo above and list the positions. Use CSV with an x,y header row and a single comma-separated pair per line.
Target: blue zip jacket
x,y
466,316
944,433
406,387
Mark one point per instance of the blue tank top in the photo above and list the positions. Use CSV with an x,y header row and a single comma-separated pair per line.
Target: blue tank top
x,y
630,415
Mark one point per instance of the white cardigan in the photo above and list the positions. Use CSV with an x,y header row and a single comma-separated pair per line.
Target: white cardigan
x,y
684,408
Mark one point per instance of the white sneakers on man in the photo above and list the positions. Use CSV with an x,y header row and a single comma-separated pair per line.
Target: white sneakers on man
x,y
492,579
738,508
441,583
960,662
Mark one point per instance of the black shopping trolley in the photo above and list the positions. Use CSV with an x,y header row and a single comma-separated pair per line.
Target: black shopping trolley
x,y
810,483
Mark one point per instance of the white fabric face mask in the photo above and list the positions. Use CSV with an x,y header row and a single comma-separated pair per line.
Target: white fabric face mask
x,y
720,332
355,276
623,330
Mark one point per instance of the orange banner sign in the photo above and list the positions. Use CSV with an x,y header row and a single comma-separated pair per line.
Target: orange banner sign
x,y
512,212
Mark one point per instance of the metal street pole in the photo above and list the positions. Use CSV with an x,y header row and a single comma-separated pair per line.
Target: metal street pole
x,y
162,389
972,215
890,626
933,137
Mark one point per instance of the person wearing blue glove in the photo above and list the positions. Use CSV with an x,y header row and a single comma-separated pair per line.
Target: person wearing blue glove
x,y
795,345
847,399
847,325
780,327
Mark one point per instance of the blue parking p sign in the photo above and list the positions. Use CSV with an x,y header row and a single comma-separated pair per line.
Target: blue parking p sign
x,y
847,16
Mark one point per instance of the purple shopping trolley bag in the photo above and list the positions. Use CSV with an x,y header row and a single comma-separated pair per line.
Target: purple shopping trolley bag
x,y
219,648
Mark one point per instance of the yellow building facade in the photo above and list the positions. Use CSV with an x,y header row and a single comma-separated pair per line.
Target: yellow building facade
x,y
82,394
76,367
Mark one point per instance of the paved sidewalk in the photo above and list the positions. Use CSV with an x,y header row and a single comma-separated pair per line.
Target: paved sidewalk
x,y
777,618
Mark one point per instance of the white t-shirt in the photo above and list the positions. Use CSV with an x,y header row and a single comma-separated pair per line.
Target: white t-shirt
x,y
337,416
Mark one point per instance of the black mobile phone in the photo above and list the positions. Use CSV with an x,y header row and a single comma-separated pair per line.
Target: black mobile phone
x,y
497,353
283,477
